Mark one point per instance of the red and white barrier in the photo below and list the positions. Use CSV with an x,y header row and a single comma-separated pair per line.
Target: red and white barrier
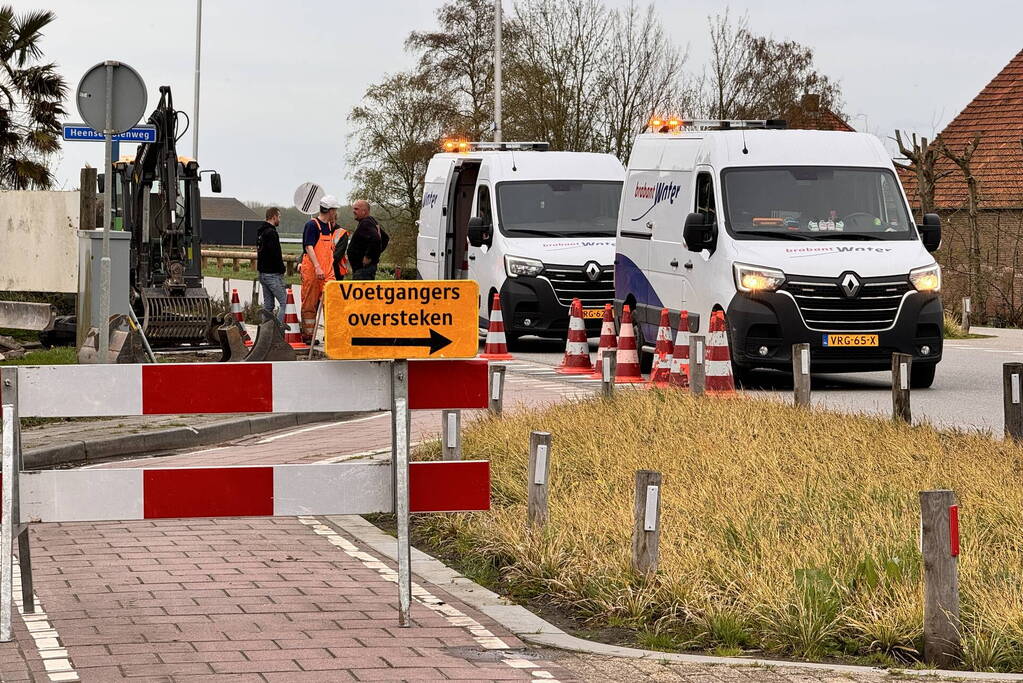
x,y
283,387
281,490
121,494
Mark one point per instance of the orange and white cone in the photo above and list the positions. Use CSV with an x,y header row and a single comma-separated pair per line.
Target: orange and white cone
x,y
236,311
718,359
496,347
292,332
662,352
678,376
608,341
577,348
627,370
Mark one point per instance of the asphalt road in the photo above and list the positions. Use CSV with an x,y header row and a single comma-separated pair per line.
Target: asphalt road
x,y
967,391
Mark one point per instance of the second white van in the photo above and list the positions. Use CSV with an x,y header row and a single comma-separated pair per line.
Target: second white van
x,y
798,236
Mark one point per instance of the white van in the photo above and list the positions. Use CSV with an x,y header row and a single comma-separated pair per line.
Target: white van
x,y
799,236
537,227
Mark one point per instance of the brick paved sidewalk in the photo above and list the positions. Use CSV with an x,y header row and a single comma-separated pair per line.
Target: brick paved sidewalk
x,y
253,599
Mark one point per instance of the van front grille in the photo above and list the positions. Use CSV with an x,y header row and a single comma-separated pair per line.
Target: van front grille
x,y
571,282
826,307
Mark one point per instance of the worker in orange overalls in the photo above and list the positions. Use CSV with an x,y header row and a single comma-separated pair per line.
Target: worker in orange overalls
x,y
318,240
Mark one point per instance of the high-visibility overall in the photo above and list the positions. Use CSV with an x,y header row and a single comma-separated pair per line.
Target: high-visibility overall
x,y
312,286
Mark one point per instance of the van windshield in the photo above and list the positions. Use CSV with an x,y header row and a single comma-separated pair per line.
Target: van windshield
x,y
815,203
558,208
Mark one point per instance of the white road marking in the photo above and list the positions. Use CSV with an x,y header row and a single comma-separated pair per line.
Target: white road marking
x,y
44,635
303,430
453,615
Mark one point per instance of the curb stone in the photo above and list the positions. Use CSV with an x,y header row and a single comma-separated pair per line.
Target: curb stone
x,y
530,628
147,442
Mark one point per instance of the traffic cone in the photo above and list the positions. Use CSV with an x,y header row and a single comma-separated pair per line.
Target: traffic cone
x,y
608,341
496,347
577,348
239,315
718,360
678,376
662,352
627,370
292,332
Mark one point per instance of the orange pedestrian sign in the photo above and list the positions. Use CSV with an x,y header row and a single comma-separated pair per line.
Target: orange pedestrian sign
x,y
381,319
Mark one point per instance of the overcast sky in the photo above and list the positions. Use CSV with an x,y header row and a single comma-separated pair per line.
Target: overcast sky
x,y
278,79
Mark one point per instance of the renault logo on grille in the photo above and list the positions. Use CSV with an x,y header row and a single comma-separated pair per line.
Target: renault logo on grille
x,y
592,271
850,285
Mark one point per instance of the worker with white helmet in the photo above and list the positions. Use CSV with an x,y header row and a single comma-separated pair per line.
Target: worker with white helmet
x,y
318,239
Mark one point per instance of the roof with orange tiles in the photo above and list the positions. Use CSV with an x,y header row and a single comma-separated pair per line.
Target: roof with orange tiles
x,y
996,115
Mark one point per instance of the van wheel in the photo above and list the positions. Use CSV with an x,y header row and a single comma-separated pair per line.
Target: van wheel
x,y
922,376
512,341
743,377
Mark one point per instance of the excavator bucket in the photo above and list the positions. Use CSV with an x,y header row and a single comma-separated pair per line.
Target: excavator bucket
x,y
270,344
125,345
176,318
231,343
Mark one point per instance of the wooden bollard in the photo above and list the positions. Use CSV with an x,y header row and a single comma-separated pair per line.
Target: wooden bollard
x,y
697,368
801,374
234,265
608,366
646,535
967,309
939,545
497,388
450,435
902,372
538,477
1012,400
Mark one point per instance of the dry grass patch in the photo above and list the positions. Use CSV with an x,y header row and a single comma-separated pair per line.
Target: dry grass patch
x,y
783,530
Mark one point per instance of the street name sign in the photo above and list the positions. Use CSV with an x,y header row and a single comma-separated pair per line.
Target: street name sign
x,y
397,319
75,132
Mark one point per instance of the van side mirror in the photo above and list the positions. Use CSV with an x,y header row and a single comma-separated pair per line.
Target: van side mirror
x,y
698,234
215,182
480,231
930,231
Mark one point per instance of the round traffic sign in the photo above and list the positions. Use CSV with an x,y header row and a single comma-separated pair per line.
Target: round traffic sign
x,y
307,198
128,97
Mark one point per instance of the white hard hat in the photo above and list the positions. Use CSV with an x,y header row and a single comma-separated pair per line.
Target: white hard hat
x,y
329,201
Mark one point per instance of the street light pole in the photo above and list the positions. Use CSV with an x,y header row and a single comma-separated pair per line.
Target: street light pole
x,y
195,109
497,70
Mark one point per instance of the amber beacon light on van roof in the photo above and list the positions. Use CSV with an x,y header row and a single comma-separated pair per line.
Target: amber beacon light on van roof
x,y
463,146
659,124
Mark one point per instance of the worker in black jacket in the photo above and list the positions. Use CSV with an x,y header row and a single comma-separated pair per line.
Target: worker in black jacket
x,y
367,243
270,263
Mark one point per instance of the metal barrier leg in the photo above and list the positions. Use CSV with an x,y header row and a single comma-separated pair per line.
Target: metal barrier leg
x,y
9,382
28,599
400,426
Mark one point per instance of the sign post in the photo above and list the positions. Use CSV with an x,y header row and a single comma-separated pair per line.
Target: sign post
x,y
397,320
121,106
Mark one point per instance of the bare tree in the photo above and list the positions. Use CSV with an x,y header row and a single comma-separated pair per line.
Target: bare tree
x,y
642,74
757,77
554,72
963,160
729,56
459,58
922,161
395,132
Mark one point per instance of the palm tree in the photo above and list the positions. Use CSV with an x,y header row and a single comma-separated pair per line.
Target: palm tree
x,y
31,102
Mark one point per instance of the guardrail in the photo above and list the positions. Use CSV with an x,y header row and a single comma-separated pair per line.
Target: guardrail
x,y
219,257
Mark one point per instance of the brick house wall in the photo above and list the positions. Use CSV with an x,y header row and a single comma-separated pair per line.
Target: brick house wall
x,y
1001,263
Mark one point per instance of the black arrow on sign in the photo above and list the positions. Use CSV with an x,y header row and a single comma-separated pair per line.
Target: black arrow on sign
x,y
436,341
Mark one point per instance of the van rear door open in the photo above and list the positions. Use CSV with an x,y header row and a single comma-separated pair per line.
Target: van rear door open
x,y
430,243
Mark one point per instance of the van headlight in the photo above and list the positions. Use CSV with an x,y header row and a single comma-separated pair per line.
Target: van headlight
x,y
516,266
752,279
926,279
